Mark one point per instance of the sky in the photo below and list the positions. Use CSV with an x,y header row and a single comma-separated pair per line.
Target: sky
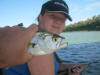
x,y
13,12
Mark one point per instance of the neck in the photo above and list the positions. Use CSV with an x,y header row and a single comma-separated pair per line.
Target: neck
x,y
40,30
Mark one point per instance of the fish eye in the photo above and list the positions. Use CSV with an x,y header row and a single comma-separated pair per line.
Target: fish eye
x,y
32,45
54,39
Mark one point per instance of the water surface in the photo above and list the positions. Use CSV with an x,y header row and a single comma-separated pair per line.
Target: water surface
x,y
84,47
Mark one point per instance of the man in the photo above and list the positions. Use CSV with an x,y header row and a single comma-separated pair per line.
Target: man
x,y
13,45
52,19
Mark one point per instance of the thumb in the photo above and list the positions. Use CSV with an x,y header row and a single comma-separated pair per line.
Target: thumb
x,y
30,31
27,57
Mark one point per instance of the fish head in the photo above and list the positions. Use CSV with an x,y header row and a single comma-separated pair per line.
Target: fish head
x,y
45,43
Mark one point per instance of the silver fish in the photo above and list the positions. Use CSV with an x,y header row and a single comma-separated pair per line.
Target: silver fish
x,y
45,43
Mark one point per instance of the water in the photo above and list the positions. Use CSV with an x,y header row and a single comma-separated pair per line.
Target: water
x,y
82,37
84,47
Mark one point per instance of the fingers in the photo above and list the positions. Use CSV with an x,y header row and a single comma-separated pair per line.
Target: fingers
x,y
19,27
30,31
32,27
76,69
7,27
27,57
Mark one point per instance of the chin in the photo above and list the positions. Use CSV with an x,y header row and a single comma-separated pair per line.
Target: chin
x,y
55,32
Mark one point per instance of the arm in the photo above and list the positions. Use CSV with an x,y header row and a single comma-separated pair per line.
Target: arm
x,y
65,69
42,65
13,45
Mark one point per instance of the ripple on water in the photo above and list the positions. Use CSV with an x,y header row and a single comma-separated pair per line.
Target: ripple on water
x,y
83,53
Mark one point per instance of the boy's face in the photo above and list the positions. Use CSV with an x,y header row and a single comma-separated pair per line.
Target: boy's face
x,y
52,22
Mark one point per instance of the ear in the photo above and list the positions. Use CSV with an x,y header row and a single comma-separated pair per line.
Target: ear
x,y
39,17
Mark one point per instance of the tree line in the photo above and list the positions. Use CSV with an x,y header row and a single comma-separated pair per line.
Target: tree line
x,y
91,24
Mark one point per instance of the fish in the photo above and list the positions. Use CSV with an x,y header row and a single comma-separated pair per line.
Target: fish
x,y
45,43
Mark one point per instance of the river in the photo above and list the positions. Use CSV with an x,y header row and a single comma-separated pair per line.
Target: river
x,y
83,48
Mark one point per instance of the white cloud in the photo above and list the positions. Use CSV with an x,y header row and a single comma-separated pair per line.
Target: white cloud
x,y
97,4
92,0
83,12
92,6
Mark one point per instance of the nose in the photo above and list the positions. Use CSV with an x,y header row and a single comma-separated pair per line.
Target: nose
x,y
57,21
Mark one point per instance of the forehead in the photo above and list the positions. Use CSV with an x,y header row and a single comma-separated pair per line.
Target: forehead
x,y
58,14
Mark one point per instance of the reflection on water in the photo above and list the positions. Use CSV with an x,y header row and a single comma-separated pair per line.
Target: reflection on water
x,y
83,54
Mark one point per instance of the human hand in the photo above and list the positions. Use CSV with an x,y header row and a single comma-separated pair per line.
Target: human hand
x,y
13,45
75,69
70,69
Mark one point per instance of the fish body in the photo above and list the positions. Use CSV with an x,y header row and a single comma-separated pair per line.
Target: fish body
x,y
45,43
